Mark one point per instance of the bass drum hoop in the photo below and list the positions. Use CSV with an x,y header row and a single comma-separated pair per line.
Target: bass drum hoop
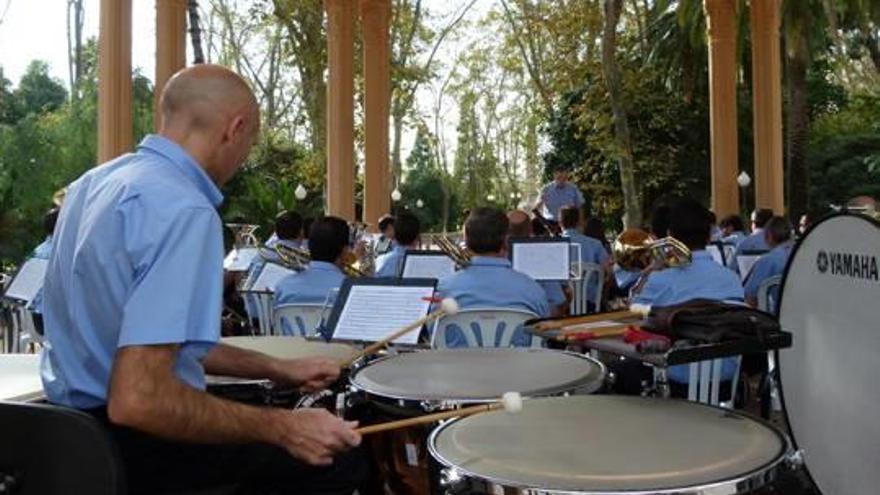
x,y
744,483
403,404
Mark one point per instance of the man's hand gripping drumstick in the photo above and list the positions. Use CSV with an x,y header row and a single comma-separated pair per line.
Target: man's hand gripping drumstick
x,y
510,402
448,307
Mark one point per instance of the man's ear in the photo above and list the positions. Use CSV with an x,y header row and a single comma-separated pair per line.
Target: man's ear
x,y
235,127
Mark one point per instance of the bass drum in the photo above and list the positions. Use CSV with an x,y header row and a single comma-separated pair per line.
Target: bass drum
x,y
829,302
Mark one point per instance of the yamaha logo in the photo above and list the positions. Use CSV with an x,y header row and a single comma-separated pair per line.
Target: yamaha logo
x,y
822,262
852,265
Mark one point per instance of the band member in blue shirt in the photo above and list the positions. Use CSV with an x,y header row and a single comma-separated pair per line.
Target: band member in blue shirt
x,y
521,226
328,240
559,194
406,236
779,237
132,311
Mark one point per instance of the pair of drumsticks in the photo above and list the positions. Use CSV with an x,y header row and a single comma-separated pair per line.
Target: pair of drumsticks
x,y
584,327
510,401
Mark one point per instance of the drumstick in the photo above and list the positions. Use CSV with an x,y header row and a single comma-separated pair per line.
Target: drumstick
x,y
447,307
635,311
510,402
596,334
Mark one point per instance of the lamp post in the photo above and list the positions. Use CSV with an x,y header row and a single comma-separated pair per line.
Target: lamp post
x,y
395,198
420,203
744,181
300,193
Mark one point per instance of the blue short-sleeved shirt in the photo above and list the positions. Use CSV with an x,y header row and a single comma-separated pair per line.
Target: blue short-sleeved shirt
x,y
702,279
553,290
44,250
311,286
490,282
251,303
767,266
734,238
556,197
138,260
754,242
390,264
592,251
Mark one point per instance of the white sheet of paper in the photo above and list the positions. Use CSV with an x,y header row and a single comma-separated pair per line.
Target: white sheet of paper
x,y
20,377
28,281
716,254
372,312
239,260
542,260
270,275
422,266
746,262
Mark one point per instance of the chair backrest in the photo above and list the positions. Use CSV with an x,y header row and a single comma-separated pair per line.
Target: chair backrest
x,y
768,294
298,319
706,377
587,289
50,450
746,260
484,327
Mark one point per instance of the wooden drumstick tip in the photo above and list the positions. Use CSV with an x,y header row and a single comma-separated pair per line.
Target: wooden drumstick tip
x,y
512,402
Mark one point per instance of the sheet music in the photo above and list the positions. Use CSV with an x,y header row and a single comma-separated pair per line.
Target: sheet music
x,y
542,260
745,263
270,275
428,266
28,281
372,312
20,377
716,254
239,260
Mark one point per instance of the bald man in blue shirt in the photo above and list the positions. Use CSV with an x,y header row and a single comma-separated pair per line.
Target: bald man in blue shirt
x,y
132,310
490,281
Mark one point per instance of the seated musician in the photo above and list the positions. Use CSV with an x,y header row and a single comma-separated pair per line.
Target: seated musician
x,y
779,238
386,235
592,251
328,240
756,241
288,233
521,226
44,249
132,311
659,228
558,194
406,236
732,230
490,281
701,279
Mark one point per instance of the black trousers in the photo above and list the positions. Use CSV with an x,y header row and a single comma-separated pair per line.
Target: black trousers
x,y
156,466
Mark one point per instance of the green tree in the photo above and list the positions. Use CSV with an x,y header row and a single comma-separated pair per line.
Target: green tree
x,y
38,92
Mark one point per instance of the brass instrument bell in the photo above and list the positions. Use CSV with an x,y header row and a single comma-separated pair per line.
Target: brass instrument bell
x,y
636,250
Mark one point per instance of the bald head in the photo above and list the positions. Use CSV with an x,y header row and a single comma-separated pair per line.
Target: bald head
x,y
203,96
520,224
212,113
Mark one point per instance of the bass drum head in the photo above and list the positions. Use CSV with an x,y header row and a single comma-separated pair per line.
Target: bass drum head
x,y
478,375
292,347
605,444
831,304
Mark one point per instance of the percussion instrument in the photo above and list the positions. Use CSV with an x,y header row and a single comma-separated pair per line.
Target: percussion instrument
x,y
20,378
608,445
414,383
264,392
829,391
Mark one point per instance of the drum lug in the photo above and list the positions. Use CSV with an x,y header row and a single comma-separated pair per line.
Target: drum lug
x,y
428,406
452,480
795,459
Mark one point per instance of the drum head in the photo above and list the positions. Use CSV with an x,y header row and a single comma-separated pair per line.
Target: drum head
x,y
292,347
612,444
829,303
478,375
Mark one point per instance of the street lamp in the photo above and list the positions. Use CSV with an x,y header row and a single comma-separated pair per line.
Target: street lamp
x,y
395,195
420,204
490,198
300,193
744,182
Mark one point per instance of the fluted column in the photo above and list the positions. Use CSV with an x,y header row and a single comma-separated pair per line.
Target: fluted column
x,y
114,80
340,108
375,17
170,46
721,18
767,89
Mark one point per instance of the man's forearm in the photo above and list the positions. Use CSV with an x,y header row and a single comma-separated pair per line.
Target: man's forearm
x,y
229,360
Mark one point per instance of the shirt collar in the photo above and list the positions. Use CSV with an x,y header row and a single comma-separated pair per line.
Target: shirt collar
x,y
175,154
324,266
489,261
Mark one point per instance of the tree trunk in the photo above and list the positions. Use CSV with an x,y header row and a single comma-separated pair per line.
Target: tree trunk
x,y
195,32
632,203
798,129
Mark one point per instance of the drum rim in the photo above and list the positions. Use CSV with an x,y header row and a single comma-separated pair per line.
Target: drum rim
x,y
587,388
750,480
792,439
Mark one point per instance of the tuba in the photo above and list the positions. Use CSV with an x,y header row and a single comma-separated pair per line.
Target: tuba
x,y
636,251
461,256
244,235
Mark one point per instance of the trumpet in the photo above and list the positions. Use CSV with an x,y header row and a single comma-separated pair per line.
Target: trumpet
x,y
298,260
462,257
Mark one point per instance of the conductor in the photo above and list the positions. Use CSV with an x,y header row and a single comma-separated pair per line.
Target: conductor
x,y
132,310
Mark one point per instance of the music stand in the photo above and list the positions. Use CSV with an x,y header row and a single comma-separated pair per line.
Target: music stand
x,y
542,258
427,264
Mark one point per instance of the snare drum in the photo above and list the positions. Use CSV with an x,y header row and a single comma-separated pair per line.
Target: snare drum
x,y
602,445
414,383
